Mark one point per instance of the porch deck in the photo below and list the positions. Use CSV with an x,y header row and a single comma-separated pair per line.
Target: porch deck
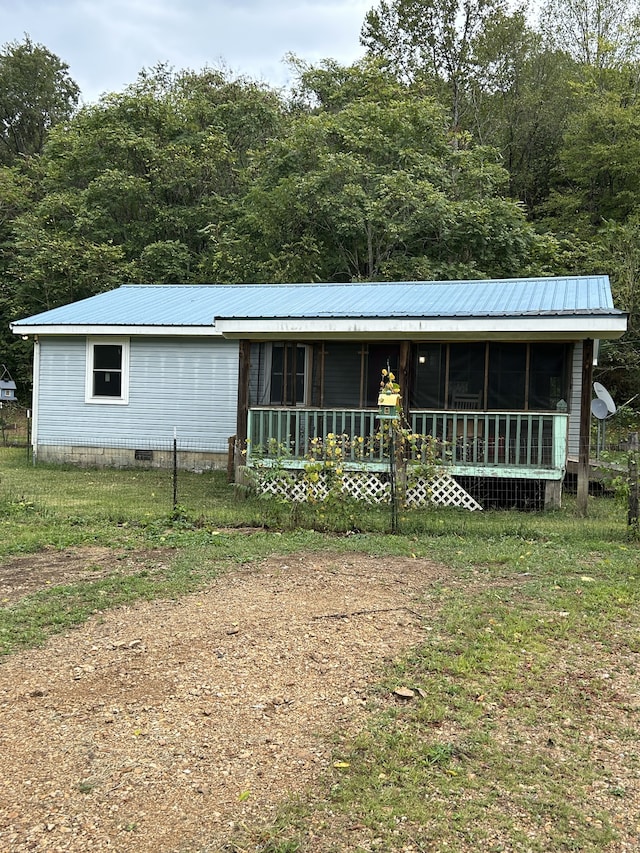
x,y
527,445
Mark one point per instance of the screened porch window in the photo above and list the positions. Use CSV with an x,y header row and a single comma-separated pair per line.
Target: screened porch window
x,y
466,375
341,379
548,374
429,376
350,372
507,376
497,375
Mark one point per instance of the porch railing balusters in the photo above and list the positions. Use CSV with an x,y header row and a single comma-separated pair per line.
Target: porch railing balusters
x,y
496,439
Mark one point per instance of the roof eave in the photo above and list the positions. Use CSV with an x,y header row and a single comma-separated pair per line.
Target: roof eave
x,y
26,329
569,327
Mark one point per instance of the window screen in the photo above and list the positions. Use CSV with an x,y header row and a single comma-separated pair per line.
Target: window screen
x,y
548,375
507,376
466,370
429,376
342,368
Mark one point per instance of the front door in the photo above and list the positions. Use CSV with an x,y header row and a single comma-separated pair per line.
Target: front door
x,y
381,356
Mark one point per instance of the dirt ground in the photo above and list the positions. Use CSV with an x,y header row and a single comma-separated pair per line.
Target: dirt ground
x,y
52,567
162,726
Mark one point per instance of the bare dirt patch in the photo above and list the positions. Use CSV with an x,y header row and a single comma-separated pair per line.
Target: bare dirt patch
x,y
163,725
22,576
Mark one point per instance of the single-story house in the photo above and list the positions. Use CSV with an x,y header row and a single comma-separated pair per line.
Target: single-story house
x,y
499,371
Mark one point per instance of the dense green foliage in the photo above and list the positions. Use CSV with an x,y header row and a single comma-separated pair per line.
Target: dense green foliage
x,y
36,92
470,142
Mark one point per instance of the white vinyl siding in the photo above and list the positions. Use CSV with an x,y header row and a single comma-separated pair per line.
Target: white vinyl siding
x,y
187,384
575,392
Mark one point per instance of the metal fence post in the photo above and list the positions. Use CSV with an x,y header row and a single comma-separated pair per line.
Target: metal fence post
x,y
175,469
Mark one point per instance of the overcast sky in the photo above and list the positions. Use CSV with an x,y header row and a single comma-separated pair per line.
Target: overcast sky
x,y
106,43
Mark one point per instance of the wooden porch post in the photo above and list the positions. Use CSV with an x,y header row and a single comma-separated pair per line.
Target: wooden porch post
x,y
585,427
552,494
404,380
243,400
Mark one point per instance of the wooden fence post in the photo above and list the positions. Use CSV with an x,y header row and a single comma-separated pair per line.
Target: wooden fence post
x,y
632,516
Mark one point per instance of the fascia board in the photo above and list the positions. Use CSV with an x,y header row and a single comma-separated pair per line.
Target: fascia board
x,y
132,331
575,327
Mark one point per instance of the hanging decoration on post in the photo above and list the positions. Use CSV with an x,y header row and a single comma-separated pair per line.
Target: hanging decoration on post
x,y
390,410
389,399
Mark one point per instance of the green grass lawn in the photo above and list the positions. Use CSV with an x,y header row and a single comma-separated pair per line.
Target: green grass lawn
x,y
523,730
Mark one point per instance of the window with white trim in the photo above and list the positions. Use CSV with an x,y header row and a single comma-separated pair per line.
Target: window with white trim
x,y
107,374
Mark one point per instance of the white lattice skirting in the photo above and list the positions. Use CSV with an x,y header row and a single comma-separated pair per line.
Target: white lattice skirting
x,y
369,487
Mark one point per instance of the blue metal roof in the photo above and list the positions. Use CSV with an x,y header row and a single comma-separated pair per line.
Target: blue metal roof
x,y
200,305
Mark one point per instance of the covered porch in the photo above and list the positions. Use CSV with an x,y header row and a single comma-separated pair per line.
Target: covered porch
x,y
494,377
493,409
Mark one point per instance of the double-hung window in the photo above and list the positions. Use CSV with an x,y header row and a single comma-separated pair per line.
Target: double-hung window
x,y
290,365
107,374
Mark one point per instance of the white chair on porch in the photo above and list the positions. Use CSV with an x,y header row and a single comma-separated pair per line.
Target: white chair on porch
x,y
466,402
463,402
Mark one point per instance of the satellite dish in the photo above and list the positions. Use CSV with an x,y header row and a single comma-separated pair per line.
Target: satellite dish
x,y
605,396
599,409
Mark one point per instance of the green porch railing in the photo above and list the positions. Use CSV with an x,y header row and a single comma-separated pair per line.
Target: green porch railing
x,y
466,440
297,434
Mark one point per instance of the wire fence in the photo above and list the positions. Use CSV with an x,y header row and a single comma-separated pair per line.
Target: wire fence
x,y
177,478
155,479
153,488
15,425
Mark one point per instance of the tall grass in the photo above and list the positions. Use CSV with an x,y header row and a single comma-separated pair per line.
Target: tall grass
x,y
71,496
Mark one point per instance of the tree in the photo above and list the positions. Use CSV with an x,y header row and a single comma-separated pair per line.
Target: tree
x,y
523,97
600,34
36,93
52,268
131,183
374,190
15,198
433,38
597,175
15,190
